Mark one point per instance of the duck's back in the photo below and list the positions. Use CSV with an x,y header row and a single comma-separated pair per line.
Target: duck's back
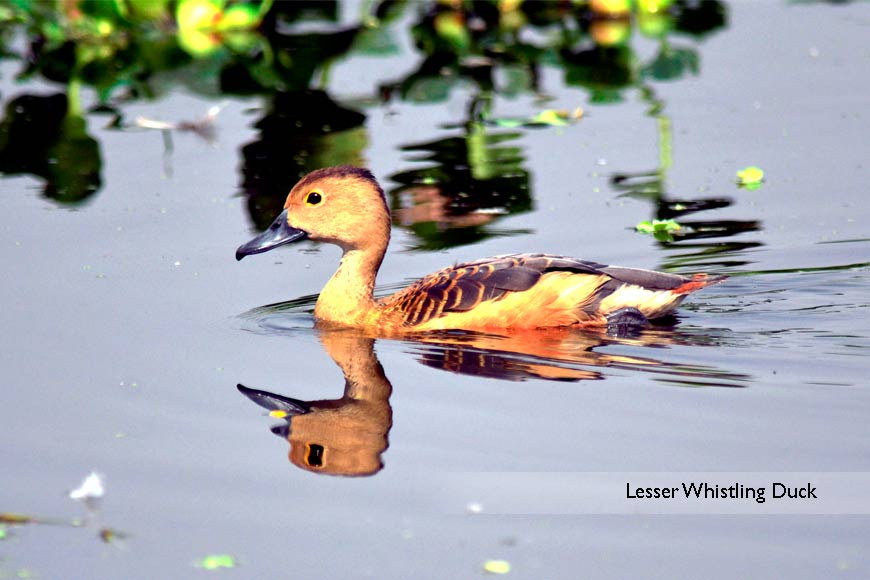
x,y
534,290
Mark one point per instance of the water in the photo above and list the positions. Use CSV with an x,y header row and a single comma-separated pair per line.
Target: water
x,y
128,323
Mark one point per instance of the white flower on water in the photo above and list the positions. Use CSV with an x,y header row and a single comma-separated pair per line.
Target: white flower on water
x,y
91,488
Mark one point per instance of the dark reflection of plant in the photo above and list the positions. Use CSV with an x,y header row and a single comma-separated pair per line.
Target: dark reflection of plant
x,y
138,49
590,41
652,186
466,182
602,60
46,137
300,132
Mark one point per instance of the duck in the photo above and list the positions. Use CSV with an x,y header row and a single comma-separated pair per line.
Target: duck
x,y
345,205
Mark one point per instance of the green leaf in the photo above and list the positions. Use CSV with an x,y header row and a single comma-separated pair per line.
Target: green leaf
x,y
497,567
645,227
750,177
551,117
215,561
661,230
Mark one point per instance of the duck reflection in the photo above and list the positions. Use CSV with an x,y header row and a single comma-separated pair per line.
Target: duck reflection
x,y
344,436
347,436
552,354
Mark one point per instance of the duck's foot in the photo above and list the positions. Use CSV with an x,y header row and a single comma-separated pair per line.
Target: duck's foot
x,y
628,321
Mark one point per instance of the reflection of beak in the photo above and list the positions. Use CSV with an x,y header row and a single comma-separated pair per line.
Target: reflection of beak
x,y
275,402
282,430
277,234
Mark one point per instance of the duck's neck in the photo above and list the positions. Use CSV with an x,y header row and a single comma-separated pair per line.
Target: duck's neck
x,y
347,298
355,355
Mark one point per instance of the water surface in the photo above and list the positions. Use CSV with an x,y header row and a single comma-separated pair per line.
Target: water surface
x,y
128,324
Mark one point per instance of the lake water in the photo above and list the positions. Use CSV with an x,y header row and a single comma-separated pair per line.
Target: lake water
x,y
128,324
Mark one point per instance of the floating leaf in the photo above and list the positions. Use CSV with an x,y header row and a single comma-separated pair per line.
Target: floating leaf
x,y
497,567
215,561
648,227
551,117
750,177
508,123
661,230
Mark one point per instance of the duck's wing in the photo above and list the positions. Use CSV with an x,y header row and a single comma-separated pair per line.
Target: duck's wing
x,y
572,290
462,287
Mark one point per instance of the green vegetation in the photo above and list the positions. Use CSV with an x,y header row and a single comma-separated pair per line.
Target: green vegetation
x,y
123,51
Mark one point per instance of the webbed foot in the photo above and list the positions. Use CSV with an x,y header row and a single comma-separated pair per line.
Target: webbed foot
x,y
626,321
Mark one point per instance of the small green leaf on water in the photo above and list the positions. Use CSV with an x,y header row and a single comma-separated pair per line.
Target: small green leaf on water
x,y
497,567
3,534
660,229
649,227
750,176
645,227
215,561
551,117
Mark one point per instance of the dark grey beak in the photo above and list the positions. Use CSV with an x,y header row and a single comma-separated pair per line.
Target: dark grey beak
x,y
274,402
277,234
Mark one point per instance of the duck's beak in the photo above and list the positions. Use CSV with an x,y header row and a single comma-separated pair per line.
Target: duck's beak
x,y
277,234
286,405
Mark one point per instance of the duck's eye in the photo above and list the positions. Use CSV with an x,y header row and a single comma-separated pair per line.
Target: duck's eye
x,y
315,455
313,198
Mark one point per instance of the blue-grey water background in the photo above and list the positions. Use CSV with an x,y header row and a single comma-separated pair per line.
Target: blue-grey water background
x,y
124,336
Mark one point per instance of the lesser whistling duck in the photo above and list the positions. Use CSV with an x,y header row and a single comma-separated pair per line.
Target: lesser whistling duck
x,y
345,206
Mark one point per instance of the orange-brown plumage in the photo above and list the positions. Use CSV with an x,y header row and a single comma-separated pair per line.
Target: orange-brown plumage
x,y
345,206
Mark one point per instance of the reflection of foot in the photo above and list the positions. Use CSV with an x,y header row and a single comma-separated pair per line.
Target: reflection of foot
x,y
626,321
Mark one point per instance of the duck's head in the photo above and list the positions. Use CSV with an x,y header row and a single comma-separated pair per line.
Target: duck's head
x,y
341,205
